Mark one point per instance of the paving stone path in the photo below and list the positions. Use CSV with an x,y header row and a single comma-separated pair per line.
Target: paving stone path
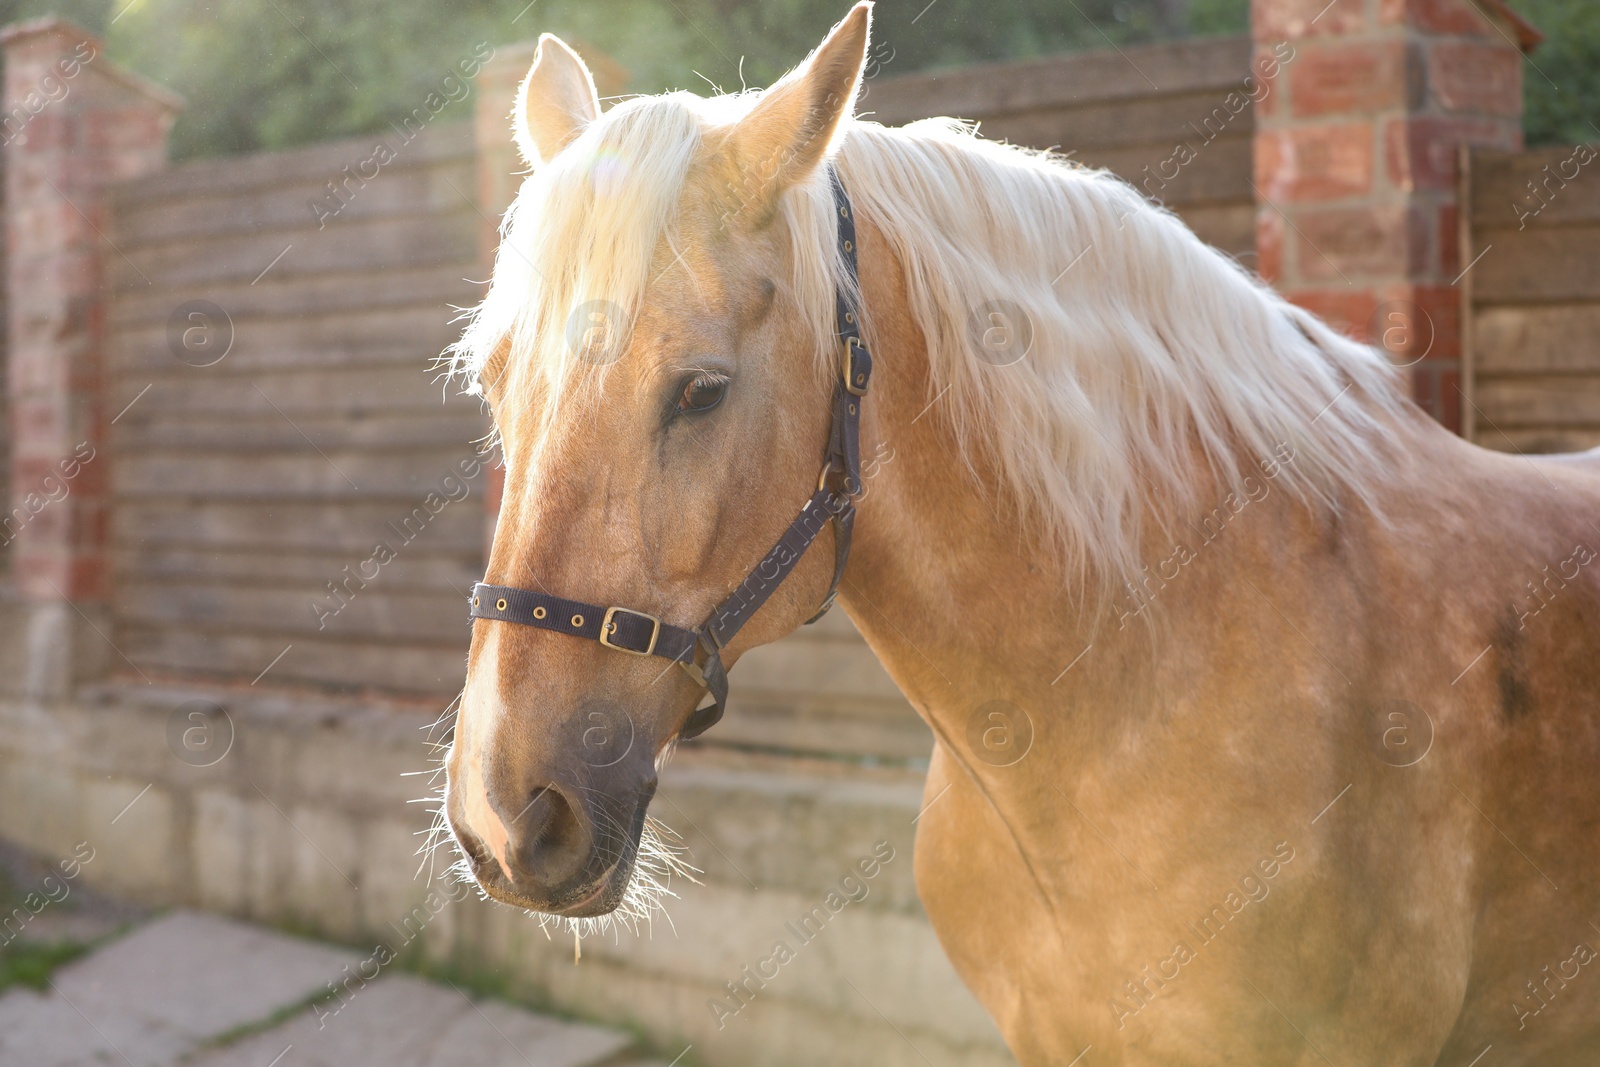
x,y
195,990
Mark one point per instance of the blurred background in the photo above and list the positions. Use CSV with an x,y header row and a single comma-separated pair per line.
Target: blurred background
x,y
244,513
254,80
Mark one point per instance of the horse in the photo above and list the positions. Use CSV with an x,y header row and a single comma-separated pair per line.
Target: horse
x,y
1264,707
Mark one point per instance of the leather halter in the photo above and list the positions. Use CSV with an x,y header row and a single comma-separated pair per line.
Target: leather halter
x,y
641,634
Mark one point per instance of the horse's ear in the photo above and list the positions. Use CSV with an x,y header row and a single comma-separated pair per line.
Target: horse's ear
x,y
788,132
556,101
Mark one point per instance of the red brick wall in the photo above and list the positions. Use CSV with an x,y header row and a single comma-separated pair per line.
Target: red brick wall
x,y
75,125
1355,165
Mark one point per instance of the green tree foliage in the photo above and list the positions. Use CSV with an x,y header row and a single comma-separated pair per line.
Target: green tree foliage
x,y
270,73
262,74
90,14
1561,80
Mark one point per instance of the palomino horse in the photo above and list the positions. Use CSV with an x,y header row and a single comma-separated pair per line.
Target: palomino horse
x,y
1265,708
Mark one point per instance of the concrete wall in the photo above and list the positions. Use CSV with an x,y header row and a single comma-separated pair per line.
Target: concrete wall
x,y
305,820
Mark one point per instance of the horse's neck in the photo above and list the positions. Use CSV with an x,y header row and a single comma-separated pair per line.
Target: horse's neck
x,y
983,627
959,603
966,605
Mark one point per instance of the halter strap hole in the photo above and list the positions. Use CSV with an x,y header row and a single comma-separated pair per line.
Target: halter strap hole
x,y
539,613
577,622
500,605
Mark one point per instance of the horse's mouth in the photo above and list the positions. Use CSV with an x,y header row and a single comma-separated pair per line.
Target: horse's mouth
x,y
587,907
588,900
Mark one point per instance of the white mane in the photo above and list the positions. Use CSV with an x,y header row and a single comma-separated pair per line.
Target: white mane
x,y
1155,359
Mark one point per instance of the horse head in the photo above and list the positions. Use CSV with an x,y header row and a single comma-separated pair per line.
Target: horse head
x,y
654,349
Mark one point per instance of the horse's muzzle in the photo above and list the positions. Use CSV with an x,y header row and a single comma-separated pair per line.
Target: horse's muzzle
x,y
563,851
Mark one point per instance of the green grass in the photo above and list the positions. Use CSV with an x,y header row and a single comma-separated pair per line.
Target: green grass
x,y
277,1018
31,965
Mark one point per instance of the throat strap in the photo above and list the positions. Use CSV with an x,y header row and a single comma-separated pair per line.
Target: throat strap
x,y
699,651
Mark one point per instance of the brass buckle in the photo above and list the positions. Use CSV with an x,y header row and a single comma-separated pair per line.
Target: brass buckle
x,y
606,627
850,386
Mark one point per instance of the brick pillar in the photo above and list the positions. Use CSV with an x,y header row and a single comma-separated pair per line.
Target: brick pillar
x,y
1356,159
73,125
501,170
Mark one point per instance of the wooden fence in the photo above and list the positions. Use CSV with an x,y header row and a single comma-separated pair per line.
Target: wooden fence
x,y
286,426
1532,371
296,507
1103,109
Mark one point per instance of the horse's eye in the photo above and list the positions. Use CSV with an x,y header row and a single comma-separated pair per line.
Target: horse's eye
x,y
704,392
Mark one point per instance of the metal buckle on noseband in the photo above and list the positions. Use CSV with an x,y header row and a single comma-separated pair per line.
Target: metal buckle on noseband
x,y
608,629
620,628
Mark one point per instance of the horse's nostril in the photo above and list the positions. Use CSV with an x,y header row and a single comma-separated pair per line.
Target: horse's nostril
x,y
549,841
529,819
541,847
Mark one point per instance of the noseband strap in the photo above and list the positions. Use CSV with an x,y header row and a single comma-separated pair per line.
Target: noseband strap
x,y
699,651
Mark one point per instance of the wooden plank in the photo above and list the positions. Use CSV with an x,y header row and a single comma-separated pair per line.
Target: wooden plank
x,y
447,432
1538,440
778,705
431,619
1218,175
419,568
440,189
265,348
360,245
1160,123
1555,401
1567,192
354,392
1127,147
1538,264
990,89
384,666
308,473
1229,227
1558,338
442,289
276,526
438,143
828,669
401,308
